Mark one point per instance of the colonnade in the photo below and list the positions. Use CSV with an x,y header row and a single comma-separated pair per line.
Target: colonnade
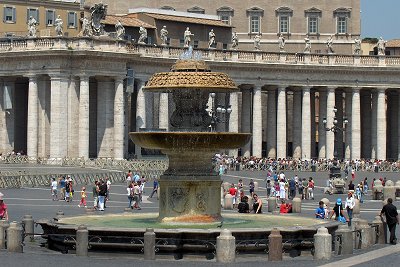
x,y
65,116
264,111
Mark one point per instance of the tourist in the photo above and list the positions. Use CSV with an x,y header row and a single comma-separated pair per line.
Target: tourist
x,y
338,212
310,188
257,205
53,188
3,208
282,190
243,206
349,206
351,186
365,186
300,188
269,187
130,195
251,187
128,178
83,197
62,188
136,196
102,194
95,191
305,189
233,192
292,188
320,211
285,207
136,177
155,188
392,218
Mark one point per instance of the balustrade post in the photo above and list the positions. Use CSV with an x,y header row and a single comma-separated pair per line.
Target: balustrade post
x,y
29,227
82,241
165,52
331,59
226,247
235,55
307,58
275,245
357,60
258,56
149,244
381,61
14,238
3,229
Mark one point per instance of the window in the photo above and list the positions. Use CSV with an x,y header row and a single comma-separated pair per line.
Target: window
x,y
284,13
313,16
195,44
72,23
197,10
254,14
342,15
313,25
284,24
341,25
50,17
254,24
32,12
9,15
225,14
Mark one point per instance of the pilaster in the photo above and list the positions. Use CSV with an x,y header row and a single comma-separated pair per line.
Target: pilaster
x,y
306,124
257,122
381,124
330,136
84,117
119,118
281,142
234,118
32,133
355,124
140,112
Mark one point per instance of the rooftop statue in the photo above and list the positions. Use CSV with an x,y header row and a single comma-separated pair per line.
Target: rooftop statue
x,y
86,29
59,26
235,41
32,27
357,46
257,42
164,35
307,48
120,30
187,37
329,44
211,39
381,45
98,12
281,43
143,35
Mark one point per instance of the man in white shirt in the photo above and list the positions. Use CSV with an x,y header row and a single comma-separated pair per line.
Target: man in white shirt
x,y
349,206
54,186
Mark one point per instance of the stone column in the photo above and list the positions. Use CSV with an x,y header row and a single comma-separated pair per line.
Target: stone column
x,y
140,113
9,116
313,126
321,126
119,118
73,118
398,126
84,117
297,127
234,119
246,119
271,130
33,101
163,112
355,125
339,116
348,101
306,125
44,95
281,123
374,112
59,117
381,125
105,116
366,124
330,136
257,122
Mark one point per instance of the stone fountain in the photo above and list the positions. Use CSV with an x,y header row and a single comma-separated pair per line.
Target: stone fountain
x,y
190,188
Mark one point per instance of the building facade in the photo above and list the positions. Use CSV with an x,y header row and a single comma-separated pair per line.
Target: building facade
x,y
72,97
16,14
293,19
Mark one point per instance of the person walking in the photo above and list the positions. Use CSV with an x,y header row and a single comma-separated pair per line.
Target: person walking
x,y
95,191
83,197
392,218
349,206
53,189
102,194
155,188
3,208
310,188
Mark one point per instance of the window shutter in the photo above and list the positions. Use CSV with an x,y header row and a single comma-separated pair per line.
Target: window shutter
x,y
75,20
37,16
14,14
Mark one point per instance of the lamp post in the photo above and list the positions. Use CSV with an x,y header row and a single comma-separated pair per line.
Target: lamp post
x,y
219,113
335,128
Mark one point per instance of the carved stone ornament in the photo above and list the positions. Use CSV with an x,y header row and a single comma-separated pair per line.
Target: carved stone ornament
x,y
179,198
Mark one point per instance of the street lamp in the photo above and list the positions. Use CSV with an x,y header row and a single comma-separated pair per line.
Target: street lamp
x,y
335,128
219,114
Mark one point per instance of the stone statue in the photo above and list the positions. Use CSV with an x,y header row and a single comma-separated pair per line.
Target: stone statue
x,y
329,44
235,41
59,26
120,30
86,31
211,39
187,37
143,35
381,46
98,12
164,35
357,46
257,42
281,43
32,27
307,48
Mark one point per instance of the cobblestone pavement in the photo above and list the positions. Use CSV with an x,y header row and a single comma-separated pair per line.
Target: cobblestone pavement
x,y
37,202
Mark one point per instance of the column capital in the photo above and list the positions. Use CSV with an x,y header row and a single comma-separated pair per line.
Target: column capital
x,y
58,76
306,88
31,76
355,89
119,78
381,89
330,88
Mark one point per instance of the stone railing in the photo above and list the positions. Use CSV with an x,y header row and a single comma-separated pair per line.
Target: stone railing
x,y
111,45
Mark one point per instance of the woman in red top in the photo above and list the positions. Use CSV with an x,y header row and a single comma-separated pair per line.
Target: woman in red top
x,y
3,209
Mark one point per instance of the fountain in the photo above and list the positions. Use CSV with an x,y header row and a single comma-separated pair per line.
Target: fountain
x,y
190,188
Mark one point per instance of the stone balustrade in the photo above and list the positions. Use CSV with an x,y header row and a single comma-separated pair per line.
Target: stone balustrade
x,y
117,46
